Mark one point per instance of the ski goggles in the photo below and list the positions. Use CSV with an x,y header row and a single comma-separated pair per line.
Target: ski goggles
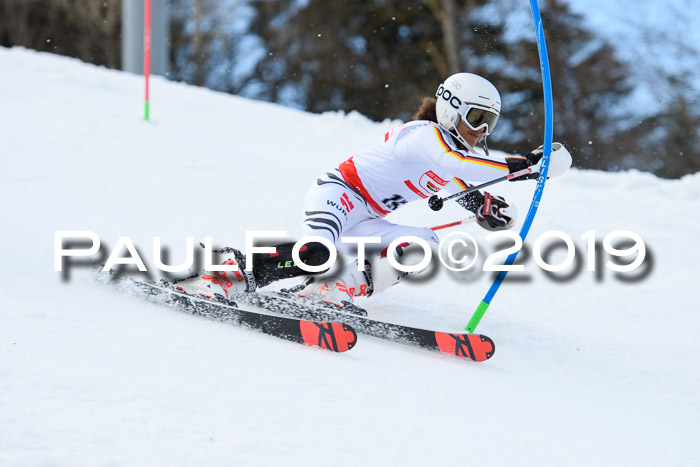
x,y
477,117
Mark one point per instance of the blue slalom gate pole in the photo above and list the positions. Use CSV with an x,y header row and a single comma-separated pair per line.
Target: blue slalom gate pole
x,y
548,133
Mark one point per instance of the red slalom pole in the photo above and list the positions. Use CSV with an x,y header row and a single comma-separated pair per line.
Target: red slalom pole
x,y
452,224
146,50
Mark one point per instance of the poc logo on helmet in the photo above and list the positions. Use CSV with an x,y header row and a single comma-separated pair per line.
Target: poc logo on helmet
x,y
447,95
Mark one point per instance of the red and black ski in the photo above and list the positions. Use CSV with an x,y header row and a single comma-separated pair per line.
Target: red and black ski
x,y
324,334
300,320
474,347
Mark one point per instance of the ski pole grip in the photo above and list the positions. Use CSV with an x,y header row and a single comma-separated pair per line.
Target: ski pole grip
x,y
435,203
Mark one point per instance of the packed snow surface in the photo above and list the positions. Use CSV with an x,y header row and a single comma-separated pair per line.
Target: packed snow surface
x,y
591,368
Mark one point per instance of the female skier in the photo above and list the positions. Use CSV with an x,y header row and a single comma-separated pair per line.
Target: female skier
x,y
435,151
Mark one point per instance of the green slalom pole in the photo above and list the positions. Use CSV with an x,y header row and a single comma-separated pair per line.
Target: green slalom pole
x,y
146,53
476,317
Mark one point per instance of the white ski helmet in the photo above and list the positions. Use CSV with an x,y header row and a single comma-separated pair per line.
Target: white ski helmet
x,y
468,97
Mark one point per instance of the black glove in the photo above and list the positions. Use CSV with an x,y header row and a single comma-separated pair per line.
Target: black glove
x,y
488,210
560,162
517,163
471,201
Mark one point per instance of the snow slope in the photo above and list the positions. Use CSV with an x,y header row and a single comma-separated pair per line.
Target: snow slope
x,y
591,370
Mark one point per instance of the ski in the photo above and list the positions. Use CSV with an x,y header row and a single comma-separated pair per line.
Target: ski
x,y
324,334
474,347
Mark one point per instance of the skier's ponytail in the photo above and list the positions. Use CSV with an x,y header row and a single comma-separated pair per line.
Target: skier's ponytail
x,y
427,110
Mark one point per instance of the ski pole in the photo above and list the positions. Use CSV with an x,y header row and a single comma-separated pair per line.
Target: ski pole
x,y
436,203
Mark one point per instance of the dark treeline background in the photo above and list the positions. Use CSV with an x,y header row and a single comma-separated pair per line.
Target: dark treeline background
x,y
381,57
